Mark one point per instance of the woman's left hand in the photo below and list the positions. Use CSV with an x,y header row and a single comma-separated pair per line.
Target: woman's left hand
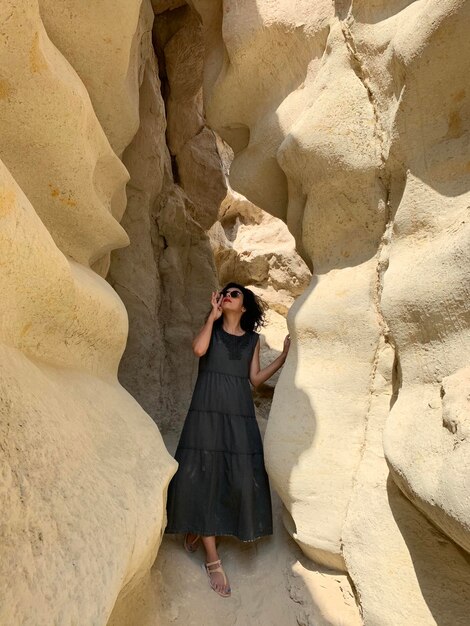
x,y
286,347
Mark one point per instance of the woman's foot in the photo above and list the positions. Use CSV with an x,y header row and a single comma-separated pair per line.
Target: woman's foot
x,y
191,542
217,578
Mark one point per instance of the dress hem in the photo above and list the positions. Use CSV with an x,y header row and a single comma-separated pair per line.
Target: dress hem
x,y
259,452
216,534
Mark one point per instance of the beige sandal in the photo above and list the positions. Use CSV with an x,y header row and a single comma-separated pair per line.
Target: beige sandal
x,y
216,569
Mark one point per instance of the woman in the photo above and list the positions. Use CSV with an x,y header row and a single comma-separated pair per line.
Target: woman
x,y
221,486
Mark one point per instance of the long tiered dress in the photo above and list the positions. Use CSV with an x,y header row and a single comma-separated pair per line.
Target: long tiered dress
x,y
221,486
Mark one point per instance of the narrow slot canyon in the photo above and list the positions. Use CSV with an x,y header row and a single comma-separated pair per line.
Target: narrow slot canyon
x,y
153,151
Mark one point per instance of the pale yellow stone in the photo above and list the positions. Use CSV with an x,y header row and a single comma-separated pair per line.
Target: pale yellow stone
x,y
105,43
53,144
349,121
351,126
256,249
85,469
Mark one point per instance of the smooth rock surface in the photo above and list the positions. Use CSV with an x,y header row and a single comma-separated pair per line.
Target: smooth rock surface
x,y
358,144
119,35
84,468
83,465
349,121
61,157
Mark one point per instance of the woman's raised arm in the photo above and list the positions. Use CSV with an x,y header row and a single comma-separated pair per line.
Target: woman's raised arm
x,y
259,376
202,339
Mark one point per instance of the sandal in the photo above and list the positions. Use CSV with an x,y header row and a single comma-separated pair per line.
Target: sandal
x,y
216,569
191,546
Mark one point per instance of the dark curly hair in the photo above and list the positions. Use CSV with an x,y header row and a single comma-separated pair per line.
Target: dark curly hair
x,y
254,317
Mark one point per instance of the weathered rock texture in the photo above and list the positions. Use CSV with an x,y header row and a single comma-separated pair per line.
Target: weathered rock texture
x,y
84,467
166,275
350,122
198,168
255,248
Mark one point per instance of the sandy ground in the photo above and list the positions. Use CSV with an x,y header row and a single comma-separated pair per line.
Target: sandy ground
x,y
273,584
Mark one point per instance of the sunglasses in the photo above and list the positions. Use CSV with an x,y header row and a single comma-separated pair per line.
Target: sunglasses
x,y
235,293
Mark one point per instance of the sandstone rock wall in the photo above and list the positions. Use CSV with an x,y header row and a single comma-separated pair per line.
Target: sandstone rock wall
x,y
166,274
350,121
84,467
256,249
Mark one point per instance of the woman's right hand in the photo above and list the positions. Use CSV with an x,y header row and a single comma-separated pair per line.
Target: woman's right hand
x,y
216,303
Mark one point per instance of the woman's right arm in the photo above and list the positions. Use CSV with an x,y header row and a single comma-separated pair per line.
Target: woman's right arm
x,y
202,339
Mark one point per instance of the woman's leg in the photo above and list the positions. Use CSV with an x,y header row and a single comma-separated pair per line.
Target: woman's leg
x,y
191,541
211,556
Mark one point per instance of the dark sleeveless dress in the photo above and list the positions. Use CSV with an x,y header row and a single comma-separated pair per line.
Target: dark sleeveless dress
x,y
221,486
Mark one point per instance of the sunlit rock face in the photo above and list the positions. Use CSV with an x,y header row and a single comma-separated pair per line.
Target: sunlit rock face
x,y
256,249
426,287
350,123
85,469
85,182
121,44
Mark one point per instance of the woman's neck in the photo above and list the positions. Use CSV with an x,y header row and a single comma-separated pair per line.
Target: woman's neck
x,y
231,323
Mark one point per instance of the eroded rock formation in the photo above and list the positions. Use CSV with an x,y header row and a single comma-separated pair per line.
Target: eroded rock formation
x,y
166,274
358,143
255,248
349,122
84,467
